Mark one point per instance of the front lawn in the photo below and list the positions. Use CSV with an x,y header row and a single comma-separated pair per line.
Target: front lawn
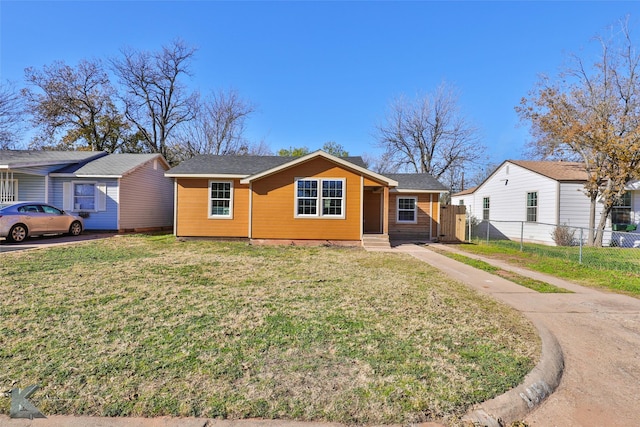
x,y
149,326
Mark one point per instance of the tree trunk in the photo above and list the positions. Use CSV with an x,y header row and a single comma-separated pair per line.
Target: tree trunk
x,y
601,226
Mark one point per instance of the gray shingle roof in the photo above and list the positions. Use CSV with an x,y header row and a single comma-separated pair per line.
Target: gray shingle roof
x,y
416,181
31,158
114,165
209,164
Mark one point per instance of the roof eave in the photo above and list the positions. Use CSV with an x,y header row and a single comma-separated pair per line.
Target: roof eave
x,y
74,175
409,190
205,175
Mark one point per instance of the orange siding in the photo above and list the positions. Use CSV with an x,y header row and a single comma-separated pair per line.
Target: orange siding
x,y
426,227
193,208
274,205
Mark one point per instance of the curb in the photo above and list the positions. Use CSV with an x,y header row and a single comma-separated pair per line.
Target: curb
x,y
517,403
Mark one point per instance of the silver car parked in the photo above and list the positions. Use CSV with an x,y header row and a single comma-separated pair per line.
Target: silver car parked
x,y
21,220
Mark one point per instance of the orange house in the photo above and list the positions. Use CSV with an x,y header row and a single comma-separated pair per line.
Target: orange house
x,y
316,197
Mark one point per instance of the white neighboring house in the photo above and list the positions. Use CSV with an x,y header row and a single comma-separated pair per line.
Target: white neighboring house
x,y
527,198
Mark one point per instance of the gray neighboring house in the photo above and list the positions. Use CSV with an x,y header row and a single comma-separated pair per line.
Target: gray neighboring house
x,y
116,192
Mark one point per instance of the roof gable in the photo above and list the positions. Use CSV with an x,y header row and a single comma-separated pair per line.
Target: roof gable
x,y
316,154
556,170
250,168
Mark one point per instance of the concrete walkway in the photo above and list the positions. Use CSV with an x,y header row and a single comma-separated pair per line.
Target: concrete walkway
x,y
599,338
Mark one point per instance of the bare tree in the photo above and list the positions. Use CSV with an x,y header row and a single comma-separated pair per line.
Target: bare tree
x,y
11,115
156,100
593,112
429,135
218,127
76,103
335,149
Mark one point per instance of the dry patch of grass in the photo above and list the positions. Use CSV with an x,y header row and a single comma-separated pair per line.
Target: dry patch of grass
x,y
152,326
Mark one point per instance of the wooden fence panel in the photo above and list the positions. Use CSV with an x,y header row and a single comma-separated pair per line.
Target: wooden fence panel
x,y
452,223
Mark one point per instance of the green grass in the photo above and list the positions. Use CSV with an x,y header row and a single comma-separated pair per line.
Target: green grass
x,y
527,282
614,269
150,326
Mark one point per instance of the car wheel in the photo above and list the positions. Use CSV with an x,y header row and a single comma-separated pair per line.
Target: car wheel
x,y
75,229
17,233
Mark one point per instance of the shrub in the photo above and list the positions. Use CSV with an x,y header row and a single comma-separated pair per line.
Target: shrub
x,y
564,236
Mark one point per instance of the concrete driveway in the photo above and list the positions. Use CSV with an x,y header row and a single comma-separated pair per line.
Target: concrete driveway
x,y
599,336
42,242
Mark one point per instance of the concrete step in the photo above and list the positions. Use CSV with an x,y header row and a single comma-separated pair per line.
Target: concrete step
x,y
375,241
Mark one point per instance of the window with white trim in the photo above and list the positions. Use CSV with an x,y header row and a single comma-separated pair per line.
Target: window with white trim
x,y
220,199
407,211
84,196
485,208
532,206
621,210
319,197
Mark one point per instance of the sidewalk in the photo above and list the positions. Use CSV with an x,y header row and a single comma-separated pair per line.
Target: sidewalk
x,y
598,339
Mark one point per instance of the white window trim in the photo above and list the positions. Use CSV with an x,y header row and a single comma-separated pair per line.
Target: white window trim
x,y
209,213
527,207
488,209
319,214
99,194
415,210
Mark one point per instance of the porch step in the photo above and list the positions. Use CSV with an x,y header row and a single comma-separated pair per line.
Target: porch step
x,y
376,241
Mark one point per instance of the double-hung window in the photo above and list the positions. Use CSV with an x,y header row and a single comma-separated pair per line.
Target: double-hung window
x,y
84,196
532,206
319,197
407,210
621,211
220,199
485,208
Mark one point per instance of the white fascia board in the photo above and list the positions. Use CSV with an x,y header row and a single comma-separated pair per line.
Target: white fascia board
x,y
73,175
204,175
327,156
405,190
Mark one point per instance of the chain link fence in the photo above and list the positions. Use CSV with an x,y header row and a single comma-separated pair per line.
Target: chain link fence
x,y
620,248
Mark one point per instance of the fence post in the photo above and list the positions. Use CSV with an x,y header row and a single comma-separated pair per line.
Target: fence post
x,y
488,225
521,236
580,252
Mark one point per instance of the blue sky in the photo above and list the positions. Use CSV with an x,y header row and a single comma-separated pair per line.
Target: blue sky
x,y
326,71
